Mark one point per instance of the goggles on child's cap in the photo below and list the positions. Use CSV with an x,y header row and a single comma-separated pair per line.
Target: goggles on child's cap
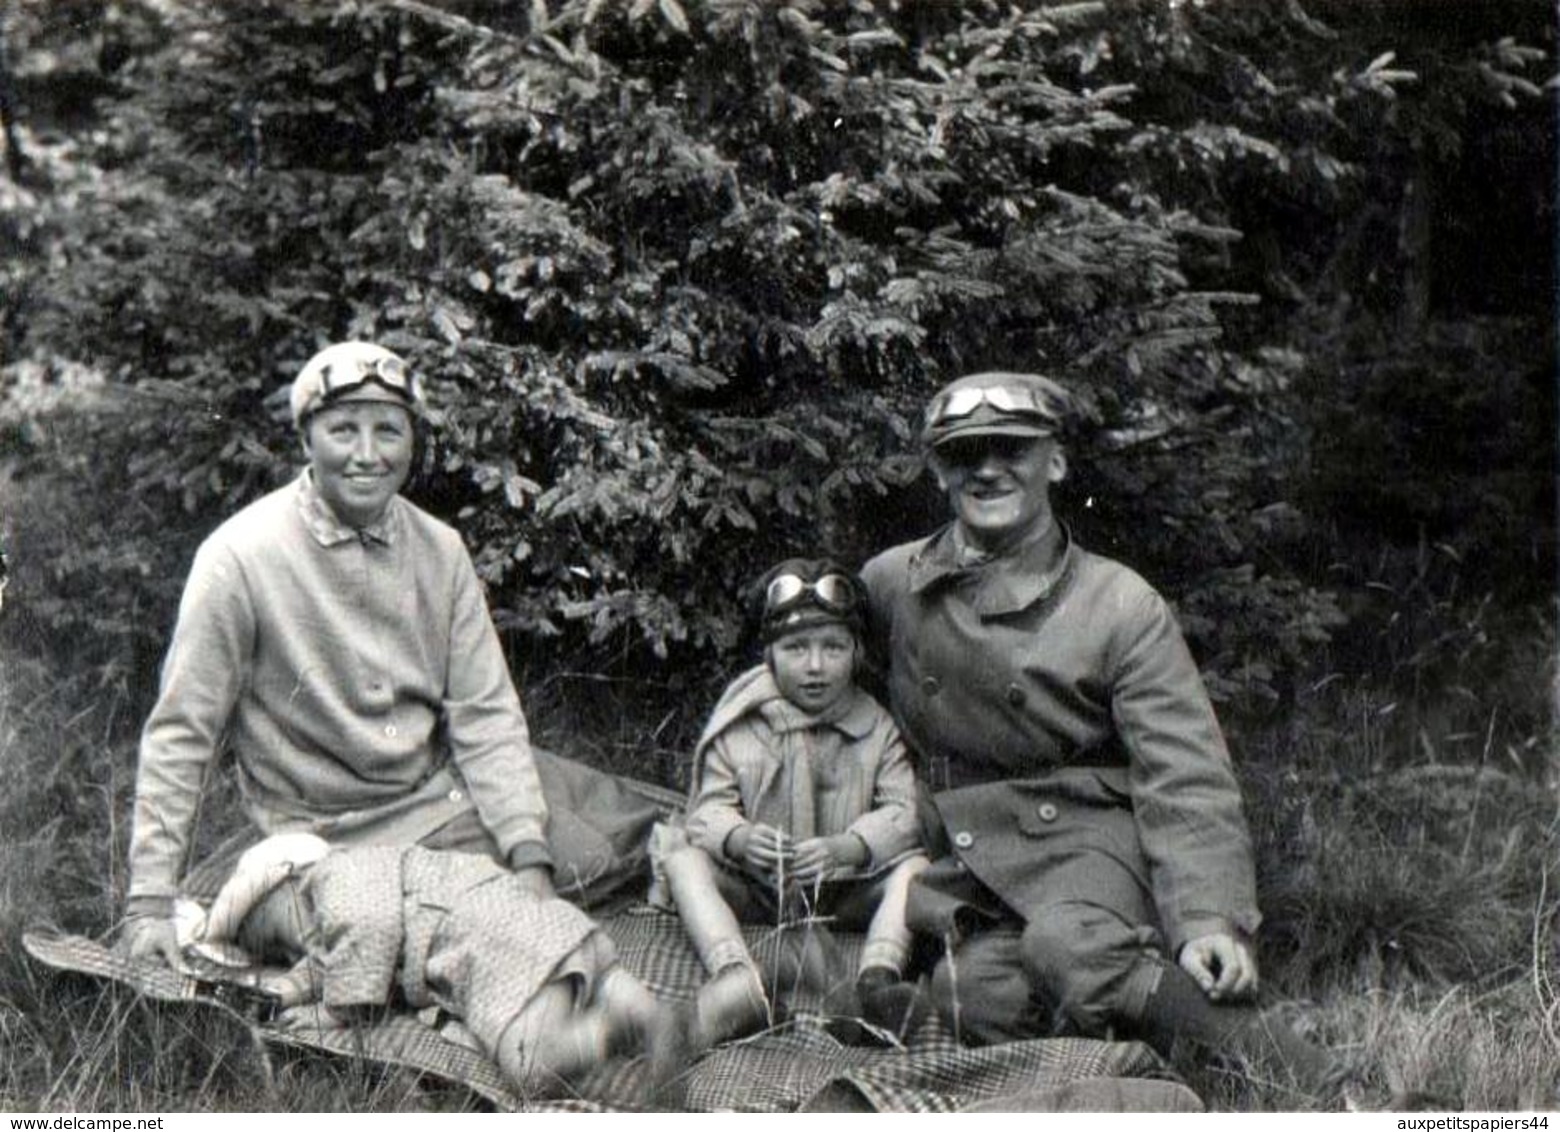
x,y
353,371
832,591
801,593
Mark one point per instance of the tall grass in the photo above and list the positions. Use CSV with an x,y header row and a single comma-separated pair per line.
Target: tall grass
x,y
1409,873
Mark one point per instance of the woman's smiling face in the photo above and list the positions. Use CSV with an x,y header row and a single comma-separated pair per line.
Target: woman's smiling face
x,y
361,452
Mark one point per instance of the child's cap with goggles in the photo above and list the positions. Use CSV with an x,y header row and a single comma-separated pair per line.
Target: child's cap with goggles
x,y
997,404
802,593
353,371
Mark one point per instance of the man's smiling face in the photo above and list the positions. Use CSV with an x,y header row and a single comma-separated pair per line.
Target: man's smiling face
x,y
999,487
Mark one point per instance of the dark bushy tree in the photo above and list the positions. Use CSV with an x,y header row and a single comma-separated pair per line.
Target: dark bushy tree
x,y
684,273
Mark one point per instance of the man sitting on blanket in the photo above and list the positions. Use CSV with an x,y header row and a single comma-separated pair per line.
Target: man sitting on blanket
x,y
1095,874
535,981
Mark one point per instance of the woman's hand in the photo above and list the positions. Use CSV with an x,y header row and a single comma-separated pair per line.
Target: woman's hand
x,y
150,937
817,857
311,1018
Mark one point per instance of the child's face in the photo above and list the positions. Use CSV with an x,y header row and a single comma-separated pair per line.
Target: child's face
x,y
814,667
277,928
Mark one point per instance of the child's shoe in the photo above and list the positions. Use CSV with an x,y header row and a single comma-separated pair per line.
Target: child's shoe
x,y
732,1004
890,1003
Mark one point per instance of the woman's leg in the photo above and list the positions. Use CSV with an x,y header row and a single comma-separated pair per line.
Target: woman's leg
x,y
664,1032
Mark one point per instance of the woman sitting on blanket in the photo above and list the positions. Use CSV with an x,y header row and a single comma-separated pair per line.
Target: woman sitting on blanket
x,y
532,977
334,636
803,801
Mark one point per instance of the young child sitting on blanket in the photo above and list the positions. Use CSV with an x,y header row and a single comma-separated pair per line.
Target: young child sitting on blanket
x,y
802,797
535,981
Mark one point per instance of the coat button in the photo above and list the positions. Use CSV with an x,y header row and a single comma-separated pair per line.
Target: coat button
x,y
929,685
390,730
1046,812
964,839
1015,695
456,795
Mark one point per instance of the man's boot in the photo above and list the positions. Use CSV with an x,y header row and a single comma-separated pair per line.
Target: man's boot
x,y
1178,1010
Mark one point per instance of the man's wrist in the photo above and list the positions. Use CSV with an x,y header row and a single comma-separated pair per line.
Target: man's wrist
x,y
1200,926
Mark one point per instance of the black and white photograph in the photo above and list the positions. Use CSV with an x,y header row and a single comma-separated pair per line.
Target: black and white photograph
x,y
779,556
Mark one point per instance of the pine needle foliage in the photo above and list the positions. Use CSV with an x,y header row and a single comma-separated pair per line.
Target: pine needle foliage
x,y
682,275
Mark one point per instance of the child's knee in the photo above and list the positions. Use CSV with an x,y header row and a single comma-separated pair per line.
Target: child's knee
x,y
596,953
687,861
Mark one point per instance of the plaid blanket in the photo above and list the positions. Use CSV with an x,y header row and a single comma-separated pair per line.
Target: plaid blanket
x,y
796,1064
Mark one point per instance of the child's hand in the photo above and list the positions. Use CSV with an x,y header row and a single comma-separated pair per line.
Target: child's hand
x,y
310,1017
303,983
762,848
817,857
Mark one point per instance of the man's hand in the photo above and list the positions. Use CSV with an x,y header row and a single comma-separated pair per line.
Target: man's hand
x,y
1223,966
762,848
817,857
535,882
150,937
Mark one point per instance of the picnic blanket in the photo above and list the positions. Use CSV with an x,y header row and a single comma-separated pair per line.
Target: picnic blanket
x,y
797,1064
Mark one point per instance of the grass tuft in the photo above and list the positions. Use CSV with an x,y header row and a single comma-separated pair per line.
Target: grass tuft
x,y
1406,832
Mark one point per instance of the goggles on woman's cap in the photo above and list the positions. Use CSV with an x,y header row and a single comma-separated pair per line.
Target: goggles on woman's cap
x,y
998,404
337,372
389,371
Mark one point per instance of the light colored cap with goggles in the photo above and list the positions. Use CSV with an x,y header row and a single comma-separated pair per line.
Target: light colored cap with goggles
x,y
212,934
353,371
804,593
997,404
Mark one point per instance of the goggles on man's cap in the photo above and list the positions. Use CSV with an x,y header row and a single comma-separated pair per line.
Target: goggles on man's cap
x,y
351,371
996,404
